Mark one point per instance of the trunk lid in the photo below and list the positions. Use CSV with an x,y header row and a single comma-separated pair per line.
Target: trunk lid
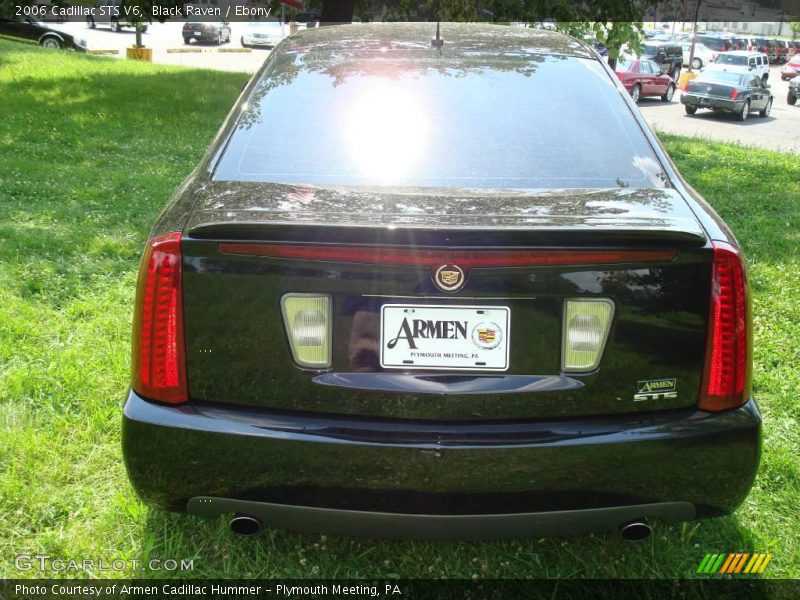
x,y
236,338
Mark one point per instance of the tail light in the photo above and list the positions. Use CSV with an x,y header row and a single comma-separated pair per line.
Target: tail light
x,y
308,324
726,380
734,94
159,360
586,325
466,259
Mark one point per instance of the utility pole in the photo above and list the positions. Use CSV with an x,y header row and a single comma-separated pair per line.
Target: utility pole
x,y
694,33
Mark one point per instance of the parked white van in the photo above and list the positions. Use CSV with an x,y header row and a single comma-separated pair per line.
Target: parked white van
x,y
741,61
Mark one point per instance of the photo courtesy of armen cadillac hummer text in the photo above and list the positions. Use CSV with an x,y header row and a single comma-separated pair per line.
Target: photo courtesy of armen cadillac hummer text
x,y
498,311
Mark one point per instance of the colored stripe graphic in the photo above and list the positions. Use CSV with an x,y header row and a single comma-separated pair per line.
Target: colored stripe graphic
x,y
734,562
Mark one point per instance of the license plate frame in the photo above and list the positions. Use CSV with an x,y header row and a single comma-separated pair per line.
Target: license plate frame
x,y
462,337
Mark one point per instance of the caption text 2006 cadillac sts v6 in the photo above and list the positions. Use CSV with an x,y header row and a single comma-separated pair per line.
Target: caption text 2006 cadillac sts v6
x,y
440,290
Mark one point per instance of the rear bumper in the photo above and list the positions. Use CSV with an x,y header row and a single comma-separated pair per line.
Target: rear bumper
x,y
205,36
267,43
711,102
389,478
441,527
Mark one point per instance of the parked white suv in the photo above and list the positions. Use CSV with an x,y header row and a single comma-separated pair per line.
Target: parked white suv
x,y
741,61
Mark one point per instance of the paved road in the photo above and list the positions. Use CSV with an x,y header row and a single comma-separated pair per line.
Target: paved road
x,y
780,131
167,36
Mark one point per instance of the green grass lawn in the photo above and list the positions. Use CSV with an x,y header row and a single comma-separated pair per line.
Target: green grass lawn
x,y
90,150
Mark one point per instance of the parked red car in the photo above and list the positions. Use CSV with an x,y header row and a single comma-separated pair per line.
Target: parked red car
x,y
642,77
791,69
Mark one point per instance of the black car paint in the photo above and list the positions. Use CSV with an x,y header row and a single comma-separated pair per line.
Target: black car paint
x,y
414,467
206,32
667,55
34,31
794,91
397,454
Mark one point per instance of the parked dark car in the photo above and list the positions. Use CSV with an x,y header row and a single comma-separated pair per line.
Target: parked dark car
x,y
794,91
723,91
669,57
28,29
111,13
199,31
644,78
308,18
716,42
470,319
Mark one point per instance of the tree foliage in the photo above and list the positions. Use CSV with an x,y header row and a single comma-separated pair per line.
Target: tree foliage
x,y
795,27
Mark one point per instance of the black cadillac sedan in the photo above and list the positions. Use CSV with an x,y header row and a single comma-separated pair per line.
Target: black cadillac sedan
x,y
724,91
31,30
440,290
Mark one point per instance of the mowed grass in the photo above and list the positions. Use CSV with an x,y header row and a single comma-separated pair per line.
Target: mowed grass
x,y
90,150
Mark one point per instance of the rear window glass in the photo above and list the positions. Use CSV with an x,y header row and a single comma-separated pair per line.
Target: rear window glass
x,y
625,64
723,77
730,59
717,43
534,122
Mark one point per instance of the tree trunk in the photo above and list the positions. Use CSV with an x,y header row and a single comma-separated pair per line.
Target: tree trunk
x,y
336,12
139,35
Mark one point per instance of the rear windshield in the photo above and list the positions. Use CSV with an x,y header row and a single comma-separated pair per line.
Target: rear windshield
x,y
730,59
625,64
534,122
723,77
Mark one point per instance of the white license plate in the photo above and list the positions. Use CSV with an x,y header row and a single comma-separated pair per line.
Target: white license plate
x,y
458,338
198,33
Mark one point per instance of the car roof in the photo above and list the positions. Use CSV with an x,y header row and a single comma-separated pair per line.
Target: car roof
x,y
465,40
743,53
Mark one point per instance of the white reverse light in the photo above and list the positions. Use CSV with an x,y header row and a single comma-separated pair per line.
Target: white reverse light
x,y
586,325
308,324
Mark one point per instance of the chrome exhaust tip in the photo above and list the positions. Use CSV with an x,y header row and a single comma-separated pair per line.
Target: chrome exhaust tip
x,y
245,525
635,531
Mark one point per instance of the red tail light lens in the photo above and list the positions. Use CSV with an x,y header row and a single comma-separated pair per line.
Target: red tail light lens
x,y
734,94
159,363
726,380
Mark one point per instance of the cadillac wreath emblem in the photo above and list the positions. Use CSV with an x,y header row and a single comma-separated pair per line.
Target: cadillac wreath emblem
x,y
449,278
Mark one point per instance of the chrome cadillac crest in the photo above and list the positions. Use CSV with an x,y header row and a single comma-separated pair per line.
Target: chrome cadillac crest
x,y
449,278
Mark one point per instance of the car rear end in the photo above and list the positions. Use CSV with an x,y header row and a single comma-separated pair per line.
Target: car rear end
x,y
200,31
716,90
476,344
265,34
768,47
791,69
781,51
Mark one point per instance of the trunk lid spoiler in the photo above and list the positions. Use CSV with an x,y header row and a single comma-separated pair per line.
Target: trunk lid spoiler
x,y
620,216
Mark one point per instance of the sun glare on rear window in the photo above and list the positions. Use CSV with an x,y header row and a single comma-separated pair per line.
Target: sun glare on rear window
x,y
465,122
